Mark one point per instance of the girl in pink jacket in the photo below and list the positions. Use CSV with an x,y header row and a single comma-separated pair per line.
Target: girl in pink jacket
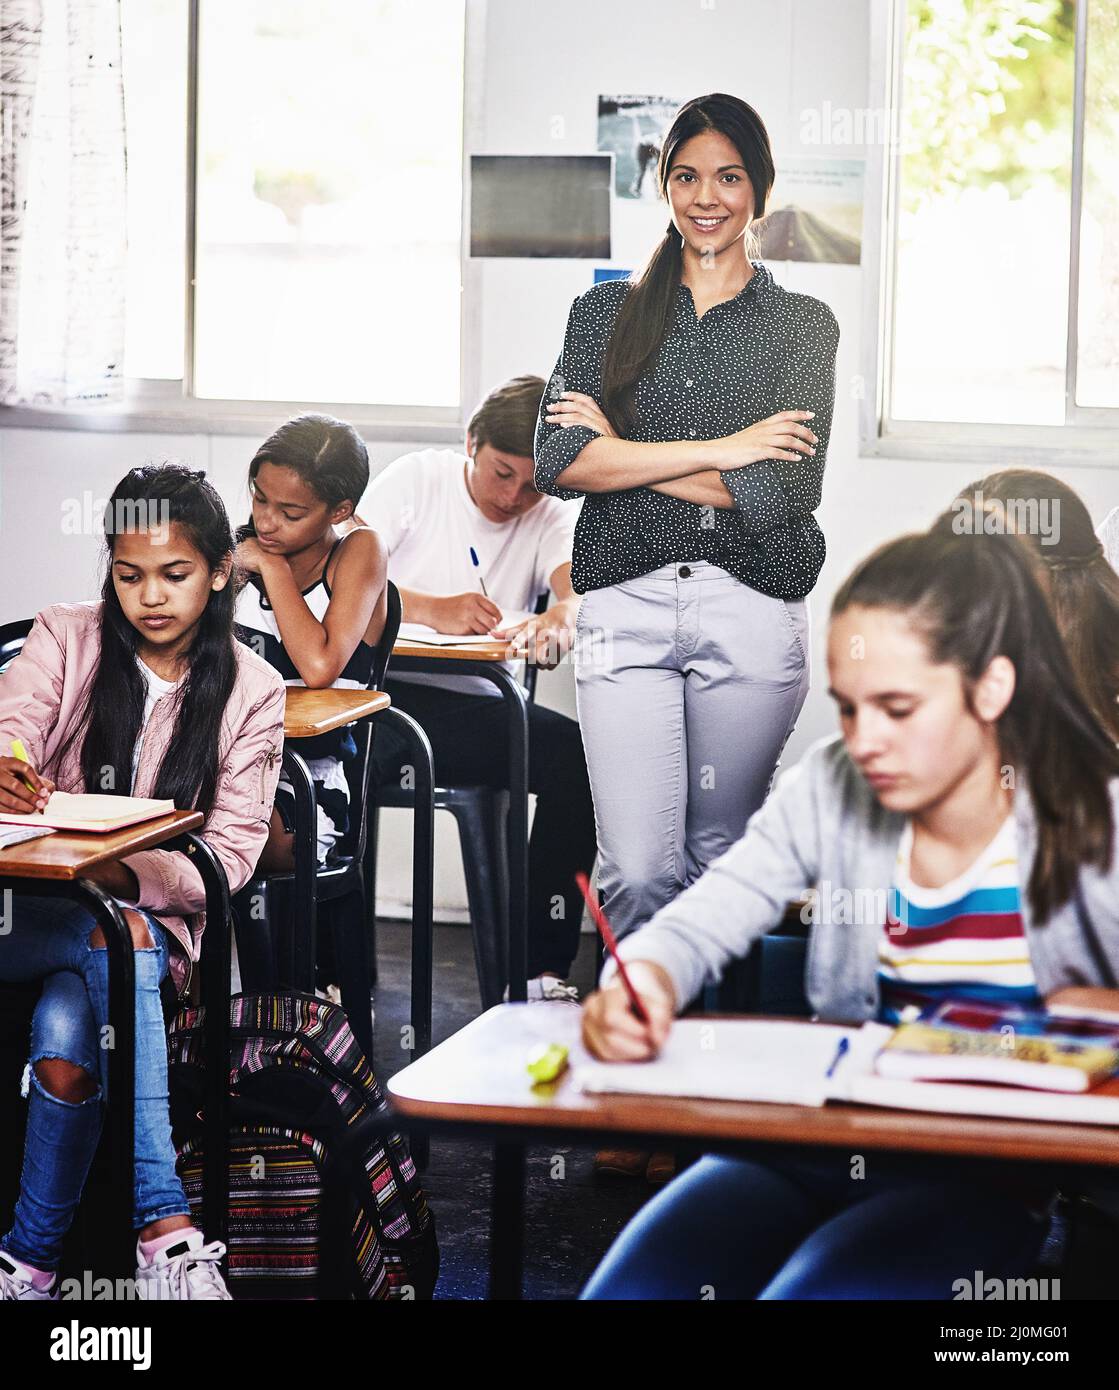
x,y
144,693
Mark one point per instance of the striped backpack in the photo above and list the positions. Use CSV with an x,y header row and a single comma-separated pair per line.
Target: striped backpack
x,y
323,1203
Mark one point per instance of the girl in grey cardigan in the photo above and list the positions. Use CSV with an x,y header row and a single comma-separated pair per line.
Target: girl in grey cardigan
x,y
971,788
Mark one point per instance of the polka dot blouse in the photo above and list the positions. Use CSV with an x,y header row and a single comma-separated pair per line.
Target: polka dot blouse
x,y
765,350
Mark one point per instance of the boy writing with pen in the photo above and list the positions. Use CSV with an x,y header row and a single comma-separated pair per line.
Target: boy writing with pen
x,y
470,540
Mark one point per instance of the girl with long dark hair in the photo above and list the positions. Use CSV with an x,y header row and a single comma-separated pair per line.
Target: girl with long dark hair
x,y
1082,586
144,693
316,598
969,770
690,409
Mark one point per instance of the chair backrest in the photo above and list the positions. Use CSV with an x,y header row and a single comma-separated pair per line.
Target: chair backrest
x,y
359,770
12,637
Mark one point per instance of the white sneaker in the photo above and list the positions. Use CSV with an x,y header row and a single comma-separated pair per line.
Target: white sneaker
x,y
186,1270
16,1285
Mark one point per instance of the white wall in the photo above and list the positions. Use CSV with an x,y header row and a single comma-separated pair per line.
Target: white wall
x,y
542,63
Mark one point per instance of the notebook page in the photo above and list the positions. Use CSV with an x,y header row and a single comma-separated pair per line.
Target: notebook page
x,y
729,1059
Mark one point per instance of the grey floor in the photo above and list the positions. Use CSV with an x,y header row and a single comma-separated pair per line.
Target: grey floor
x,y
570,1222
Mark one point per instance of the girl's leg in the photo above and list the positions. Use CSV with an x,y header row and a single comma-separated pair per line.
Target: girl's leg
x,y
746,658
158,1192
631,711
62,1132
914,1241
719,1231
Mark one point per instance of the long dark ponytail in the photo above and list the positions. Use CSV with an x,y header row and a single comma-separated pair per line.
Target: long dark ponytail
x,y
1083,587
111,716
975,597
645,317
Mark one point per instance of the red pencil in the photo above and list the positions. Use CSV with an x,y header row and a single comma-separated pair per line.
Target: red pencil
x,y
611,945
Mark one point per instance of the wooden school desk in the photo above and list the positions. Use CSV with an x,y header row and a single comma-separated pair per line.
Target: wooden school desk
x,y
55,865
486,659
475,1084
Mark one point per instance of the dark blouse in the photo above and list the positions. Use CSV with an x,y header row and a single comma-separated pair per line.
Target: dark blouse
x,y
765,350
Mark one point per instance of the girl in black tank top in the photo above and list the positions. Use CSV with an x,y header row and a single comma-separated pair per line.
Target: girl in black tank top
x,y
312,603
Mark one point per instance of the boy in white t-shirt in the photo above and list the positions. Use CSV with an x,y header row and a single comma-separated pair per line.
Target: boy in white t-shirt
x,y
431,508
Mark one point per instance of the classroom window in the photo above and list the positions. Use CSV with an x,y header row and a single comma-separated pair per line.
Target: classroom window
x,y
1006,195
326,252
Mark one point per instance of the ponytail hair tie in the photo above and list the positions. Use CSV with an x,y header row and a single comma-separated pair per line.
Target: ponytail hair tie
x,y
1076,562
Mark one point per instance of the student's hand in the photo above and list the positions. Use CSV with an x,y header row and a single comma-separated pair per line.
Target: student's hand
x,y
249,555
15,795
543,640
574,408
611,1030
471,614
1086,997
785,435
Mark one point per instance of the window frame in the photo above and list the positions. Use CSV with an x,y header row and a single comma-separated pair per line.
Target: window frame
x,y
168,405
1090,434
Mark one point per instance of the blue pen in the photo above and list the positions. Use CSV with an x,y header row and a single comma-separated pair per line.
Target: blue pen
x,y
478,567
840,1053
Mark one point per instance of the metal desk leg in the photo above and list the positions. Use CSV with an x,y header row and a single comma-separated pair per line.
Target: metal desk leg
x,y
297,964
507,1231
122,1069
423,894
215,973
423,874
516,707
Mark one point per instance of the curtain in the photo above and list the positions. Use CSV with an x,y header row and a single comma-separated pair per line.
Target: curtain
x,y
62,202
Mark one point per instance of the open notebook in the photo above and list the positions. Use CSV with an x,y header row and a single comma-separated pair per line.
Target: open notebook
x,y
420,632
92,811
788,1063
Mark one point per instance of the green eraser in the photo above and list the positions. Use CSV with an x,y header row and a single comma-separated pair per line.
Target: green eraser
x,y
546,1061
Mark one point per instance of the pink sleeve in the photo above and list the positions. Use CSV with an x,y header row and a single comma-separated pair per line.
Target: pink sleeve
x,y
237,825
31,692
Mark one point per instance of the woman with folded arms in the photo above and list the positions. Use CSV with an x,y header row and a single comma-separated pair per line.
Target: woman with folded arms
x,y
690,409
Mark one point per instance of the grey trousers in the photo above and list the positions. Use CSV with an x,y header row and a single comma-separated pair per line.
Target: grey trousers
x,y
688,685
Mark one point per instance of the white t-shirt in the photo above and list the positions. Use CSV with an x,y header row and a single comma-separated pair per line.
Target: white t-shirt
x,y
421,507
157,687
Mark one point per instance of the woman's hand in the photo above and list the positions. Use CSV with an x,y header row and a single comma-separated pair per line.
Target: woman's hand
x,y
780,436
574,408
15,795
613,1032
544,640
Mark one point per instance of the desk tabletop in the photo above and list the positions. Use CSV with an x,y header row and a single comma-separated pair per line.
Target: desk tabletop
x,y
310,712
492,650
478,1076
68,854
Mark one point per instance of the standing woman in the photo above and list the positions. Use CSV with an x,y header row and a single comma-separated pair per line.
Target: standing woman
x,y
691,409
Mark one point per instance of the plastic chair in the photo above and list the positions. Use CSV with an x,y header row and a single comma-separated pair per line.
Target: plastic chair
x,y
481,817
12,637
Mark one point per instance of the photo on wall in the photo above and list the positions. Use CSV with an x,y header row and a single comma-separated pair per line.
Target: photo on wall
x,y
816,212
632,128
540,205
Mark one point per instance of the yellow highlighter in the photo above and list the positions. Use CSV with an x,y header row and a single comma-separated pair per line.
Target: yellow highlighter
x,y
18,751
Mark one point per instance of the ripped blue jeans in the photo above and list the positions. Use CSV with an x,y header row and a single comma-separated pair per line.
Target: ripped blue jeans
x,y
49,941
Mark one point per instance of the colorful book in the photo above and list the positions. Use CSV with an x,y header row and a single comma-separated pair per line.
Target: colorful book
x,y
1003,1045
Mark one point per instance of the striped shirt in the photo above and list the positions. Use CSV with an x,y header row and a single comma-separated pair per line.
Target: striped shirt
x,y
964,940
